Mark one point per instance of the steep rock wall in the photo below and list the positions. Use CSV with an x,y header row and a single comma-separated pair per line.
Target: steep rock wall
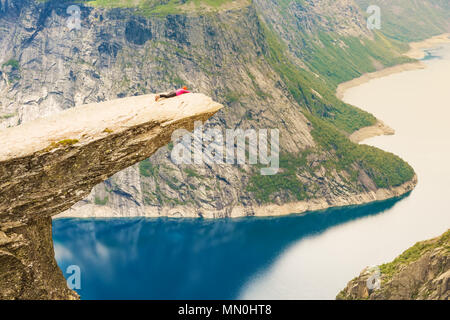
x,y
233,55
48,165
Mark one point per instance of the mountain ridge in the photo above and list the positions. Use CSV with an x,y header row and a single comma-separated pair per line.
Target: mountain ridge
x,y
237,58
265,61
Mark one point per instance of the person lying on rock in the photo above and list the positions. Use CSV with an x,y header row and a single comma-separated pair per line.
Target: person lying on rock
x,y
172,94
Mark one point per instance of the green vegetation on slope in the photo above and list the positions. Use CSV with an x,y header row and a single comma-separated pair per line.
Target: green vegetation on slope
x,y
101,202
300,82
330,118
147,169
326,50
340,59
7,115
14,63
264,187
419,273
329,59
14,72
413,254
411,20
164,7
384,168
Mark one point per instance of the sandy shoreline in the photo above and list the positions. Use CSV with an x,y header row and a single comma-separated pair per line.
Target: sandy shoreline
x,y
417,48
378,129
340,91
416,52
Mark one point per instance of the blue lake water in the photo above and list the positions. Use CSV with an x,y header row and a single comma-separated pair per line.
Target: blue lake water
x,y
141,258
310,256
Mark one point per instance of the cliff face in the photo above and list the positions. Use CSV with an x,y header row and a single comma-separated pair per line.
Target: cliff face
x,y
48,165
261,59
120,54
421,272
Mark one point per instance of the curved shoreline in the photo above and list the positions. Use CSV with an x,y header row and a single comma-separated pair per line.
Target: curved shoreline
x,y
344,86
417,48
416,52
378,129
273,210
270,210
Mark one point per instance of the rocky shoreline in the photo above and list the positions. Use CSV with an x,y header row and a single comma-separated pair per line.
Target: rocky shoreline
x,y
420,273
271,210
416,52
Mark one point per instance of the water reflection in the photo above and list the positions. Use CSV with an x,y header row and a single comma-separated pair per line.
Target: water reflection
x,y
185,259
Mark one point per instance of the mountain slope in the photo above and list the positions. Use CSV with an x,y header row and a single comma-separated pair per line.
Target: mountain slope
x,y
241,56
411,20
422,272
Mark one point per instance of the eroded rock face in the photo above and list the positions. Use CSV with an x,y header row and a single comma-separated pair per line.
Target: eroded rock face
x,y
28,269
421,272
118,53
48,165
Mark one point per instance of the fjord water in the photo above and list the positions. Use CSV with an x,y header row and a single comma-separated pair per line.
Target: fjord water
x,y
309,256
